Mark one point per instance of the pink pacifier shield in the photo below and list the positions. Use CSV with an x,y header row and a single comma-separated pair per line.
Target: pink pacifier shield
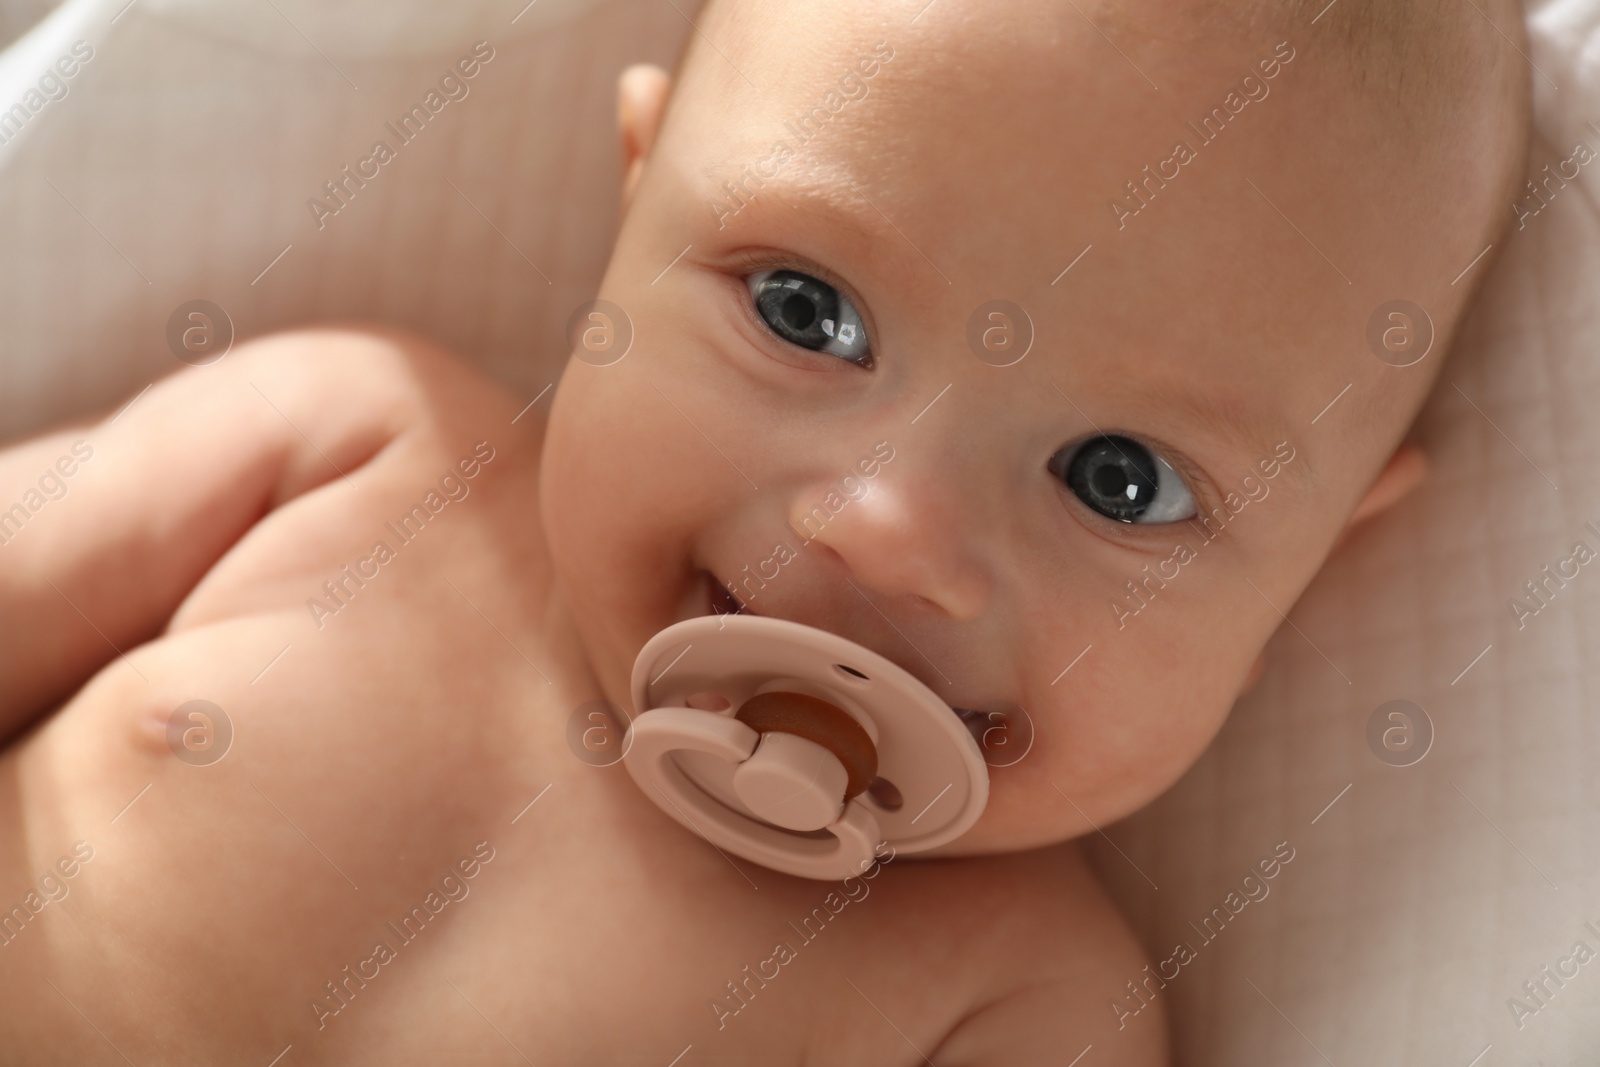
x,y
779,799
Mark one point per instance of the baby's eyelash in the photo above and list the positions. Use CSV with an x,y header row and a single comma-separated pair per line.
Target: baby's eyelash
x,y
749,261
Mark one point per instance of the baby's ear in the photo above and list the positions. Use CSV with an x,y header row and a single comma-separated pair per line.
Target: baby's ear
x,y
642,92
1406,470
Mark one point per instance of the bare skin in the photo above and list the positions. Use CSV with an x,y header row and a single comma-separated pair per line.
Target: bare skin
x,y
966,158
414,740
401,737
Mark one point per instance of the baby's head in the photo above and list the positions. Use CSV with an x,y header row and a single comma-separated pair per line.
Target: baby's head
x,y
1094,500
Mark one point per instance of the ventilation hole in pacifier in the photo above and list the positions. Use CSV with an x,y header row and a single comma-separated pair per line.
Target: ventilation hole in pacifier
x,y
850,673
885,795
708,702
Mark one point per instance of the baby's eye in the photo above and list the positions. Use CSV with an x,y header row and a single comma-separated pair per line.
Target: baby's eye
x,y
1122,480
810,313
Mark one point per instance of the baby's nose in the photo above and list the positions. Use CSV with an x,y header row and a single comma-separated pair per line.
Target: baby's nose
x,y
909,534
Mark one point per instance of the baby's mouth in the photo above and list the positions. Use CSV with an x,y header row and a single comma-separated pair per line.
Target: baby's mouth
x,y
721,600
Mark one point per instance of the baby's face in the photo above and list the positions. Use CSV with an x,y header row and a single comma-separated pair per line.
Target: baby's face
x,y
1103,531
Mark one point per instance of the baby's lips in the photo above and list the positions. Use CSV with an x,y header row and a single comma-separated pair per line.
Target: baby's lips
x,y
720,599
1003,732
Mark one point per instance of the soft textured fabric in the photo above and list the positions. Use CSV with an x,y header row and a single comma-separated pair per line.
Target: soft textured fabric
x,y
179,166
180,163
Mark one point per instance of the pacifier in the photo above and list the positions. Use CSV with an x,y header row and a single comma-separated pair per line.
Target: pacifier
x,y
797,749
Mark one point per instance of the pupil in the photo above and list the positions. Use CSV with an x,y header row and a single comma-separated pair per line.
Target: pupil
x,y
1110,481
798,312
1113,475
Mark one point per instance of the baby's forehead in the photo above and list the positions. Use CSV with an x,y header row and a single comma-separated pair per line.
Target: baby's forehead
x,y
1218,197
800,68
951,148
1218,221
1007,126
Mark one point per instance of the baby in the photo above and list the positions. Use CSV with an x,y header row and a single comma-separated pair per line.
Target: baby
x,y
1046,349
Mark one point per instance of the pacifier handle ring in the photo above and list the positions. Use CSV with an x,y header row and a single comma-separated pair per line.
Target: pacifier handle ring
x,y
654,736
818,721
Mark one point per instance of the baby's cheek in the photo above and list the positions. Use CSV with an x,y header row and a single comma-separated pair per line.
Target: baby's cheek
x,y
1130,716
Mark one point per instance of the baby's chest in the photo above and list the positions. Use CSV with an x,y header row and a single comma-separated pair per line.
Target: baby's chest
x,y
437,875
384,539
441,878
603,932
641,952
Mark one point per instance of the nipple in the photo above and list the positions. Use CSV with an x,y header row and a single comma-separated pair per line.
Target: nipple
x,y
796,748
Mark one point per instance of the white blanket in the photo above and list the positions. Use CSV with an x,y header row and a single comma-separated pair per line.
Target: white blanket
x,y
179,165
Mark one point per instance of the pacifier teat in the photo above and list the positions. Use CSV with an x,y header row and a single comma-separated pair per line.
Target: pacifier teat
x,y
796,748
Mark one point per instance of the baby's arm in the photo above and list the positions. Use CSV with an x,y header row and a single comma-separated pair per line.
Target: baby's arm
x,y
107,526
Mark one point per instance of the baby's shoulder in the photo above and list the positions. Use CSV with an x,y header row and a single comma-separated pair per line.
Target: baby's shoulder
x,y
1046,951
382,373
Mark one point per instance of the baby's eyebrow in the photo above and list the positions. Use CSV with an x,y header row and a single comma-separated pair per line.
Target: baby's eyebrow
x,y
821,195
